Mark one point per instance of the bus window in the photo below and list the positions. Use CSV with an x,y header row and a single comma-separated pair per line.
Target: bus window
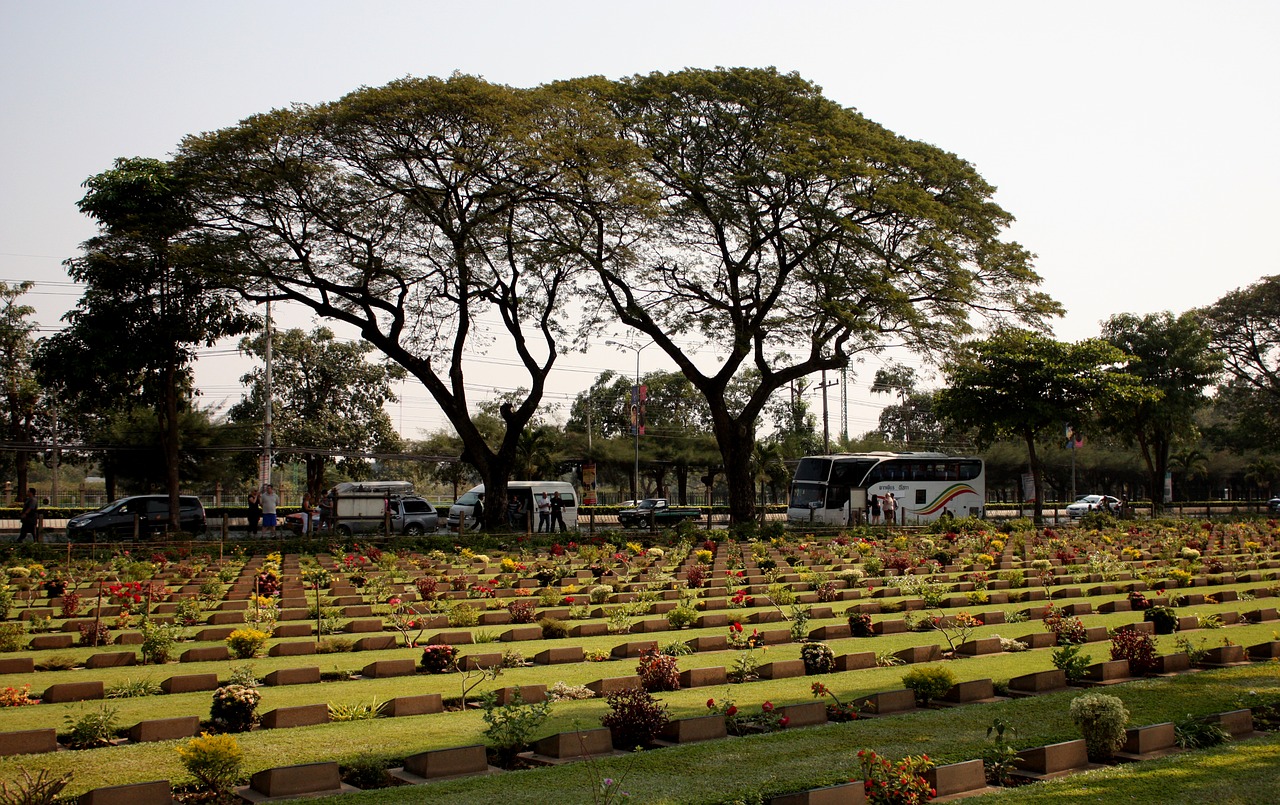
x,y
970,469
813,469
837,497
804,494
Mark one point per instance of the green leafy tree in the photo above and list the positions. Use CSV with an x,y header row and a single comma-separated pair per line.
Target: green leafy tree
x,y
328,400
790,226
430,214
1171,358
22,393
148,305
1022,384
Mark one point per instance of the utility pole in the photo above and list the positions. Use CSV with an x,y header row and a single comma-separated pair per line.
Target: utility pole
x,y
826,430
264,465
636,424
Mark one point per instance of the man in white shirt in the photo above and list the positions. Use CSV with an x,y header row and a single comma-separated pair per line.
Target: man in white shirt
x,y
270,500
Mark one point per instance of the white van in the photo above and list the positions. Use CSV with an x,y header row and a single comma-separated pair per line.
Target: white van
x,y
528,492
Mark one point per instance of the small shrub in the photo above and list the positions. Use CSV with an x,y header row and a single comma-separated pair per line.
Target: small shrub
x,y
43,789
521,611
1071,661
677,648
463,616
635,718
860,625
355,711
928,682
243,675
94,634
1101,719
245,644
596,655
1069,629
1164,618
658,672
1210,621
837,711
133,689
818,658
70,605
563,692
481,636
57,662
158,640
93,729
438,658
215,761
510,726
682,616
999,758
335,645
514,658
1195,733
1136,647
235,708
12,636
887,659
889,783
367,772
553,628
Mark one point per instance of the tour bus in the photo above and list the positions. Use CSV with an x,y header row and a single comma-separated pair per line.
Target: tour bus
x,y
836,489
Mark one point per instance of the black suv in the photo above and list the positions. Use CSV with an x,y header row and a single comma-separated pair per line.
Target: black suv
x,y
150,511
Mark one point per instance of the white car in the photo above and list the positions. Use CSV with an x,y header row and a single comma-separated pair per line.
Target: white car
x,y
1088,503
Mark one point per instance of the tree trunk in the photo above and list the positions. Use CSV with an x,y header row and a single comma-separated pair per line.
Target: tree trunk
x,y
170,441
315,476
736,438
1033,459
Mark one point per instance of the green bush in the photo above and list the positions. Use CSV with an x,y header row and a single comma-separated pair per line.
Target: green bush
x,y
928,682
1102,720
463,616
158,640
43,789
682,616
510,726
553,628
215,761
818,658
1195,733
12,636
93,729
245,644
1071,661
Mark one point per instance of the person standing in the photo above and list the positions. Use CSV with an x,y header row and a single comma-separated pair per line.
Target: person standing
x,y
255,512
270,502
308,511
890,509
30,516
557,513
544,513
875,510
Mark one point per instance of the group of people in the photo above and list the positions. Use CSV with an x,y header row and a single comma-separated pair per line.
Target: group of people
x,y
885,504
262,507
550,512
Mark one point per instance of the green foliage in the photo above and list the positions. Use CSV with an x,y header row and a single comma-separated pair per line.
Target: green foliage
x,y
890,783
367,772
133,688
928,682
1195,733
355,711
462,616
1164,618
92,729
158,640
438,658
1102,720
12,636
682,616
215,761
1072,661
999,758
511,726
658,672
553,628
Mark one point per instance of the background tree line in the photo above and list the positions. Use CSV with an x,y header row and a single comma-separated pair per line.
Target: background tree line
x,y
738,207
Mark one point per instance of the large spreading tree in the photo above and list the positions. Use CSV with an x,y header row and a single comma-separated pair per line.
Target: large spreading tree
x,y
1244,329
790,234
433,216
22,413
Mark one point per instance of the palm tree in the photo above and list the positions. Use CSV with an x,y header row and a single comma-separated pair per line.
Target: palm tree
x,y
1190,464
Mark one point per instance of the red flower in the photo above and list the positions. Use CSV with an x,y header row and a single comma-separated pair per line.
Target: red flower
x,y
767,707
732,711
711,704
785,721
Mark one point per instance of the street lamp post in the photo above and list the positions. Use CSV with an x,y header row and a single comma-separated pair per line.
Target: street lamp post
x,y
635,420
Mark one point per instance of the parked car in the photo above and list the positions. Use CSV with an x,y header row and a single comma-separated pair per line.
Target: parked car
x,y
658,511
1273,506
411,516
1088,503
150,511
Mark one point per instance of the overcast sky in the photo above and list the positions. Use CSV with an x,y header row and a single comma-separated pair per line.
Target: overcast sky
x,y
1136,143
